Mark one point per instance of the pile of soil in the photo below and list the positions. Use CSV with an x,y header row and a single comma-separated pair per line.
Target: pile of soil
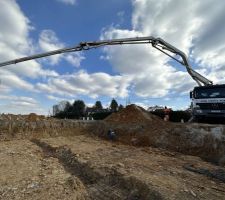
x,y
133,114
135,126
32,117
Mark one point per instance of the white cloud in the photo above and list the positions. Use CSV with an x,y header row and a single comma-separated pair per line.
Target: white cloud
x,y
48,41
55,98
148,69
18,98
195,27
11,80
82,83
15,42
190,24
20,105
68,2
209,46
143,105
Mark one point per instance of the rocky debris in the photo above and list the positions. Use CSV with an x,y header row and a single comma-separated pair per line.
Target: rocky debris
x,y
33,185
218,174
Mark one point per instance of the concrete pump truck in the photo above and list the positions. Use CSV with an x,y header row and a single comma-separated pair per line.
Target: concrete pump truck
x,y
208,100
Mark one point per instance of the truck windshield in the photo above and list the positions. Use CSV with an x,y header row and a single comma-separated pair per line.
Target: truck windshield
x,y
201,93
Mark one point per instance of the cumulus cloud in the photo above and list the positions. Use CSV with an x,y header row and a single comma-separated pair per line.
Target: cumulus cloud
x,y
193,26
15,42
142,104
20,105
48,41
55,98
189,25
151,75
16,98
82,83
11,80
150,72
209,46
68,2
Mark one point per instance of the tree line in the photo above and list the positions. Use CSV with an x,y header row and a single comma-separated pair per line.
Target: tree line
x,y
78,109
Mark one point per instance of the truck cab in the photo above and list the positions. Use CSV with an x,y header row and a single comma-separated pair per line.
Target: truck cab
x,y
208,101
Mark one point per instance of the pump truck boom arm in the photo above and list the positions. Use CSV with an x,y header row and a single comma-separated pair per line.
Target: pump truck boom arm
x,y
157,43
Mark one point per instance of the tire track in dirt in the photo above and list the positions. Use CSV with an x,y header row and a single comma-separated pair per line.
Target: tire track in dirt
x,y
100,183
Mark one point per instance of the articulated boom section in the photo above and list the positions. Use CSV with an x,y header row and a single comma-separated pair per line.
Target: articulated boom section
x,y
157,43
164,46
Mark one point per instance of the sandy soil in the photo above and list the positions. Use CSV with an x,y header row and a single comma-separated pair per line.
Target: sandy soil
x,y
27,173
85,167
68,159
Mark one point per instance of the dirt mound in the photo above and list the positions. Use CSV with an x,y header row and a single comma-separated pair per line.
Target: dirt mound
x,y
32,117
133,114
203,140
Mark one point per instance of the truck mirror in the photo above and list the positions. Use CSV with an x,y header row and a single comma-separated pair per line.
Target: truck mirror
x,y
191,95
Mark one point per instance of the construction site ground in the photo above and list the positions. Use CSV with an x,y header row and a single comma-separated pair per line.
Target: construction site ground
x,y
145,158
88,167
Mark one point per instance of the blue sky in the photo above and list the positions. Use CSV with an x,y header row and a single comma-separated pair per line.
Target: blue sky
x,y
138,73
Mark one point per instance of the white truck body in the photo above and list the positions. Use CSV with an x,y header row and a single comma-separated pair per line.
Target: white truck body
x,y
208,101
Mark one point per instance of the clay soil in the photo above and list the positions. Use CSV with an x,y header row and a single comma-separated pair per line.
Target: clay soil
x,y
134,114
87,167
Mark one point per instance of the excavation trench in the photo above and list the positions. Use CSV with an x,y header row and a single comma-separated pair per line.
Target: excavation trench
x,y
100,183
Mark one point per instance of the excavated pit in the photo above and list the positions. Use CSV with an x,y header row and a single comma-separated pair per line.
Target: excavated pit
x,y
81,167
133,126
115,170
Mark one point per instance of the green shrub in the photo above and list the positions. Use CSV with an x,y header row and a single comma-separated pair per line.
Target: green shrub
x,y
100,115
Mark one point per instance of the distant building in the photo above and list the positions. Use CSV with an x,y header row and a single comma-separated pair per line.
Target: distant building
x,y
92,110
